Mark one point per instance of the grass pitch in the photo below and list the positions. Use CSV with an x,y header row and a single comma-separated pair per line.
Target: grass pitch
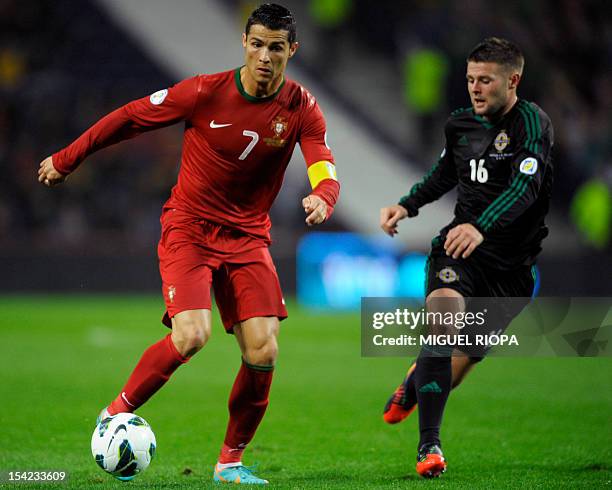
x,y
515,423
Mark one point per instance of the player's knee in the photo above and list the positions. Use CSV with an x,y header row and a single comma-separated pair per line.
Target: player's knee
x,y
445,299
190,340
190,333
264,353
444,293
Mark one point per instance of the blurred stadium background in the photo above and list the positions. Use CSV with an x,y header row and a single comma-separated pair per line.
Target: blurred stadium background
x,y
386,73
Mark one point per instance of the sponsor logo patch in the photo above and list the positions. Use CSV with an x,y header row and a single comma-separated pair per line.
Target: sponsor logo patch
x,y
529,166
158,97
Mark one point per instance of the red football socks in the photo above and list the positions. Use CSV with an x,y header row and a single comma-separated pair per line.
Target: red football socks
x,y
152,371
247,404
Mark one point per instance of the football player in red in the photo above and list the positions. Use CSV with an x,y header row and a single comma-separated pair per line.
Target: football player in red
x,y
241,127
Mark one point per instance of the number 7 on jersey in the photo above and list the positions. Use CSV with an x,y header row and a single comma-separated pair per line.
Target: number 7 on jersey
x,y
251,145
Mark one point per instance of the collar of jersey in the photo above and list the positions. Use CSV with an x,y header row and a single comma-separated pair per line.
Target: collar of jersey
x,y
250,98
484,122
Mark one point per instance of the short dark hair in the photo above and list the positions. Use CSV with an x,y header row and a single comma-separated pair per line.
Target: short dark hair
x,y
500,51
274,17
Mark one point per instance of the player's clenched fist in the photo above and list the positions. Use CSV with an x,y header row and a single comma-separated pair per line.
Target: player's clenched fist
x,y
389,217
462,240
315,208
47,174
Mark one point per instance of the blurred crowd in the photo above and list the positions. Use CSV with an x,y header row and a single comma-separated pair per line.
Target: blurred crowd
x,y
63,64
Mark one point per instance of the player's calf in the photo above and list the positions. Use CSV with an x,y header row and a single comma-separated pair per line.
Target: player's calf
x,y
153,370
403,401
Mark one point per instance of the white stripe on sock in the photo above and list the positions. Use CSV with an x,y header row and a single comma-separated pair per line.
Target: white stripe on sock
x,y
222,466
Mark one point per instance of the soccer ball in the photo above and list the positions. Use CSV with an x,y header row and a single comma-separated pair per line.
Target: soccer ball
x,y
123,445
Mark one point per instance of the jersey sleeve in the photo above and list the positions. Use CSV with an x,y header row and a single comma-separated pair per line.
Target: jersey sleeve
x,y
163,108
440,179
530,163
318,156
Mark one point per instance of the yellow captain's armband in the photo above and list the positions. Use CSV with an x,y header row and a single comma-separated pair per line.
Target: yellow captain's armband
x,y
320,171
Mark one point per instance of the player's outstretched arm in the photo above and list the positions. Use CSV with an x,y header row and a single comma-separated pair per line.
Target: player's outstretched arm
x,y
315,208
48,175
159,110
390,216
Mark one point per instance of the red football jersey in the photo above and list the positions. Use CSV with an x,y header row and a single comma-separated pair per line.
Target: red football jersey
x,y
235,147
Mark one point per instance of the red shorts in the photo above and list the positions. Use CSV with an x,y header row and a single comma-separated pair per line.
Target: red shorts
x,y
194,253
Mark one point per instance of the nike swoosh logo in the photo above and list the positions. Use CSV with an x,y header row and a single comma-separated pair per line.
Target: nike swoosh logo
x,y
125,399
214,126
117,430
240,447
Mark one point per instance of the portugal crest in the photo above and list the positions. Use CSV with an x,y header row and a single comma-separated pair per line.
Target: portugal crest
x,y
278,126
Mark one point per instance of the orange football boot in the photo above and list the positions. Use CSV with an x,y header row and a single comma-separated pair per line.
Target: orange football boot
x,y
397,408
430,462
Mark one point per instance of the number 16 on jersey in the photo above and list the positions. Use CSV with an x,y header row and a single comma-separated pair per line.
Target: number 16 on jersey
x,y
479,172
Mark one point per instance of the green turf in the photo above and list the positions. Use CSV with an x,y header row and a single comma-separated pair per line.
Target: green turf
x,y
515,423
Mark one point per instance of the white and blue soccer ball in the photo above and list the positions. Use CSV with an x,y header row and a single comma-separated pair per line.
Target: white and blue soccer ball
x,y
123,445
